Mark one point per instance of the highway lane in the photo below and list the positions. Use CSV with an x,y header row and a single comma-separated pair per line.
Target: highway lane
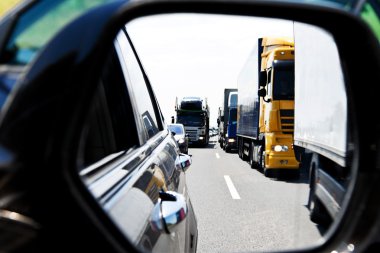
x,y
240,210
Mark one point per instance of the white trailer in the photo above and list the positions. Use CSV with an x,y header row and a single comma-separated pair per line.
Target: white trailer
x,y
321,120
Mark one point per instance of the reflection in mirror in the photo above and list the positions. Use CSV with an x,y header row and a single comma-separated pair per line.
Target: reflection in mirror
x,y
302,124
275,176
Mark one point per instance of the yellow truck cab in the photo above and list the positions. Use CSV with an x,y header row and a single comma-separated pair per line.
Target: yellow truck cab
x,y
277,103
266,107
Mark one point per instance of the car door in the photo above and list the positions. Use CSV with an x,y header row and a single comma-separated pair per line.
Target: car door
x,y
129,161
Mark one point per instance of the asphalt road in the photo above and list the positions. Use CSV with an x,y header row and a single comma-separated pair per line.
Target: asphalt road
x,y
240,210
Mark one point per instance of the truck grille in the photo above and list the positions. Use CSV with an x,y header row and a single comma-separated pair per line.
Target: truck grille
x,y
192,135
287,121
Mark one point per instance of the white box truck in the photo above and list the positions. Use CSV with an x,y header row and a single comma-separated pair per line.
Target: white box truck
x,y
321,132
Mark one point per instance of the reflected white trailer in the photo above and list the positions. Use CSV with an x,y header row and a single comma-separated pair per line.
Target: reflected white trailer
x,y
321,120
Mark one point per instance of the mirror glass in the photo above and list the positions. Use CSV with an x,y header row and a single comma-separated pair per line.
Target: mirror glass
x,y
202,55
267,173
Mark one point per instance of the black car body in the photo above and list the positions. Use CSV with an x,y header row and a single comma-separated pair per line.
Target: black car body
x,y
80,154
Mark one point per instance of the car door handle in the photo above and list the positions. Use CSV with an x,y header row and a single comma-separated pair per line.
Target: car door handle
x,y
168,212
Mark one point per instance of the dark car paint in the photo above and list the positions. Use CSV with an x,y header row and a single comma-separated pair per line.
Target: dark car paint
x,y
40,138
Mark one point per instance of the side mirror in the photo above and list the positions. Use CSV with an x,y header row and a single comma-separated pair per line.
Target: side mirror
x,y
218,121
263,79
222,118
170,210
185,161
262,92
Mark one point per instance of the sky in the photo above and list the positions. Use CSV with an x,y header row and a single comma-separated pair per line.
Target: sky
x,y
198,54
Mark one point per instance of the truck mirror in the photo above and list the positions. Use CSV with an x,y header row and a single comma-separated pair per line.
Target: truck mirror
x,y
218,121
262,92
263,79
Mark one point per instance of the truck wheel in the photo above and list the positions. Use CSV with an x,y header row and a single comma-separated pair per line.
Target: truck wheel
x,y
240,149
261,158
243,156
318,212
251,161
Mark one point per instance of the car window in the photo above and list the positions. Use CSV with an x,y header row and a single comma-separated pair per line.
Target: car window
x,y
176,129
38,24
111,126
32,29
138,85
370,13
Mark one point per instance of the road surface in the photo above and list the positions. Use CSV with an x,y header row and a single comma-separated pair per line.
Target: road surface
x,y
240,210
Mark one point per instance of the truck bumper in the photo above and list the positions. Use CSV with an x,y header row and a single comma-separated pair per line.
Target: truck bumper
x,y
201,140
231,143
276,161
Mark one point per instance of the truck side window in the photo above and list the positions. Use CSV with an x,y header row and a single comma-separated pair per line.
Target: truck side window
x,y
138,86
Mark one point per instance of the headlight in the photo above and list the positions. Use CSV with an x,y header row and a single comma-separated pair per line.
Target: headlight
x,y
231,140
180,141
280,148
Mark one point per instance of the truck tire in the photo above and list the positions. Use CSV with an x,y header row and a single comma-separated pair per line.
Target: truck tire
x,y
267,173
240,149
261,158
262,165
251,161
318,212
243,156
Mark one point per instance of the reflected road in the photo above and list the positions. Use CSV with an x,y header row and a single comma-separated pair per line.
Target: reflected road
x,y
239,209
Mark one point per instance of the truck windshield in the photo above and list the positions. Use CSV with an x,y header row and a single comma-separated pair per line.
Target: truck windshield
x,y
233,115
233,100
190,120
283,83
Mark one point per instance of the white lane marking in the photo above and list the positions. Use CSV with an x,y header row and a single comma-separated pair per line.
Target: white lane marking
x,y
231,187
217,155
